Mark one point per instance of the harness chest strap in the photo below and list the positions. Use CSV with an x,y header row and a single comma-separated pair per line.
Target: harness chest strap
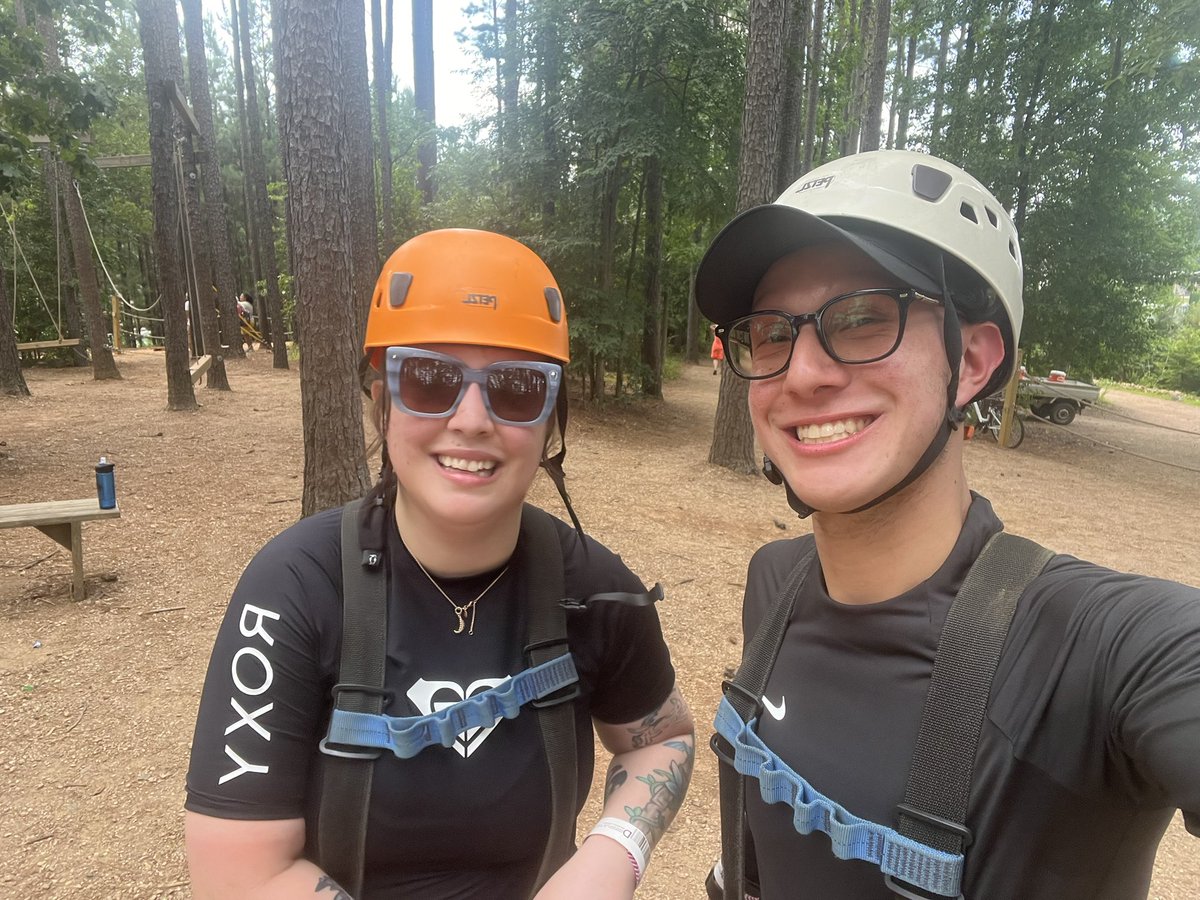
x,y
926,851
851,837
406,736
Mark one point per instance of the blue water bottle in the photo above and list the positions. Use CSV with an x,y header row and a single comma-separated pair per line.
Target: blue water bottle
x,y
106,484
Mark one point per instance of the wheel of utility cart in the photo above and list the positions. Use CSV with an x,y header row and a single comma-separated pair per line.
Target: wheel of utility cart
x,y
1062,412
1016,433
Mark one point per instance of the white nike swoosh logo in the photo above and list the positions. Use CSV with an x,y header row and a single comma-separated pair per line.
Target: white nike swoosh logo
x,y
777,712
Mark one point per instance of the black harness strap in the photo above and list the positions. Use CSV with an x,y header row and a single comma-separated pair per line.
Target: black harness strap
x,y
939,784
542,569
934,810
346,778
744,692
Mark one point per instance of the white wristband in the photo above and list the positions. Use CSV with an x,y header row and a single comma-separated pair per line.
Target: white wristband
x,y
636,844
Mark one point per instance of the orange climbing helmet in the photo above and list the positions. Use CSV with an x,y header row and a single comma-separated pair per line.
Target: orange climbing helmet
x,y
463,286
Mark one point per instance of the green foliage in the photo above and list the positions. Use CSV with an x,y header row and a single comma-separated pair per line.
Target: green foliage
x,y
38,102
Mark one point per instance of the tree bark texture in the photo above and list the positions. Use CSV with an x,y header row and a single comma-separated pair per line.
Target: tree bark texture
x,y
733,435
215,221
422,35
814,83
906,91
793,96
550,92
70,322
252,239
104,367
510,77
876,74
157,26
310,102
381,56
264,226
12,382
364,230
652,336
204,303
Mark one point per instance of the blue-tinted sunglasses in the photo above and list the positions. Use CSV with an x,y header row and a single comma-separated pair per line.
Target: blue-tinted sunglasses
x,y
429,384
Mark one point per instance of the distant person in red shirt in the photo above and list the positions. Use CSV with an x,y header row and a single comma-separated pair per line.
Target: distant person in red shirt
x,y
718,351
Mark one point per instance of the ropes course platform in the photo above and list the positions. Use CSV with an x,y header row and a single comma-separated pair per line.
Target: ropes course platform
x,y
48,345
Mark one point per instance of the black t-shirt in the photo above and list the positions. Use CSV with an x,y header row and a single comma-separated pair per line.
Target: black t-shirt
x,y
464,822
1091,739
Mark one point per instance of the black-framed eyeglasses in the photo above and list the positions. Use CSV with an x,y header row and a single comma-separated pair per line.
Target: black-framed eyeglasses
x,y
860,327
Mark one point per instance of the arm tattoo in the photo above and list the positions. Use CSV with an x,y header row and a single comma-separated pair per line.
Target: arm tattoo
x,y
650,729
325,883
617,776
667,788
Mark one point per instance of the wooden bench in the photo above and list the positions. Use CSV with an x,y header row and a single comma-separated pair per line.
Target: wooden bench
x,y
61,521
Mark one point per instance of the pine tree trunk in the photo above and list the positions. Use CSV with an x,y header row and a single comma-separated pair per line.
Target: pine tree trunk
x,y
652,335
879,36
215,218
12,382
252,239
264,226
814,84
71,324
733,435
310,104
364,231
422,15
104,367
381,32
157,26
793,96
910,66
510,79
550,92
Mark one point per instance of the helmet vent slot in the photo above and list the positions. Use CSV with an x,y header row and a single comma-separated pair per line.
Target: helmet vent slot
x,y
992,217
398,288
929,183
1012,249
968,212
554,304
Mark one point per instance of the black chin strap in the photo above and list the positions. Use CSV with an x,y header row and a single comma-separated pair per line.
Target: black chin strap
x,y
554,464
952,336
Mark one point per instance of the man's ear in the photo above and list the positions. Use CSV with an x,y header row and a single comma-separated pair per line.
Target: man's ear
x,y
376,386
983,353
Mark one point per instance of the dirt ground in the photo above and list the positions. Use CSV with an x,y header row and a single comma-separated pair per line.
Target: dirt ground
x,y
97,699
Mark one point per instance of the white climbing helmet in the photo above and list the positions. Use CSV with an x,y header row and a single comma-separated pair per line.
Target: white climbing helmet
x,y
875,200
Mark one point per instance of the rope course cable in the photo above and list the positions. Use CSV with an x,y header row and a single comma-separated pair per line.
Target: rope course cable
x,y
33,279
92,237
1113,412
1153,459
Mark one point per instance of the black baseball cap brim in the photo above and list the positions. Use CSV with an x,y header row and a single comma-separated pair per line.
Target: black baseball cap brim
x,y
751,243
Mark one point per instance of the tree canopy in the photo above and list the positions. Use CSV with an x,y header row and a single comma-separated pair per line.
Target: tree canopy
x,y
611,145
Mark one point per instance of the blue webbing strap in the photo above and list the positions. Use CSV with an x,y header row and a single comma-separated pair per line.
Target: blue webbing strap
x,y
932,870
409,735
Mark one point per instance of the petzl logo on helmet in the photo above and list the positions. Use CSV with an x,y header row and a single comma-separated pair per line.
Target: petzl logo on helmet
x,y
488,300
815,183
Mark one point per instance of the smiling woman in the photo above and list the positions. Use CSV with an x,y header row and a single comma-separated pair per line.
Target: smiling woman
x,y
492,691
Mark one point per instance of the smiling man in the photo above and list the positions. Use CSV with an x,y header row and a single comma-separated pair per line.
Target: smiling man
x,y
898,728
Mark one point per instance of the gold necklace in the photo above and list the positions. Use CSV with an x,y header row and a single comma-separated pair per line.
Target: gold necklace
x,y
461,610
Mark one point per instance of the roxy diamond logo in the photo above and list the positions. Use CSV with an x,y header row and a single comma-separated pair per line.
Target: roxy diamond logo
x,y
433,696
